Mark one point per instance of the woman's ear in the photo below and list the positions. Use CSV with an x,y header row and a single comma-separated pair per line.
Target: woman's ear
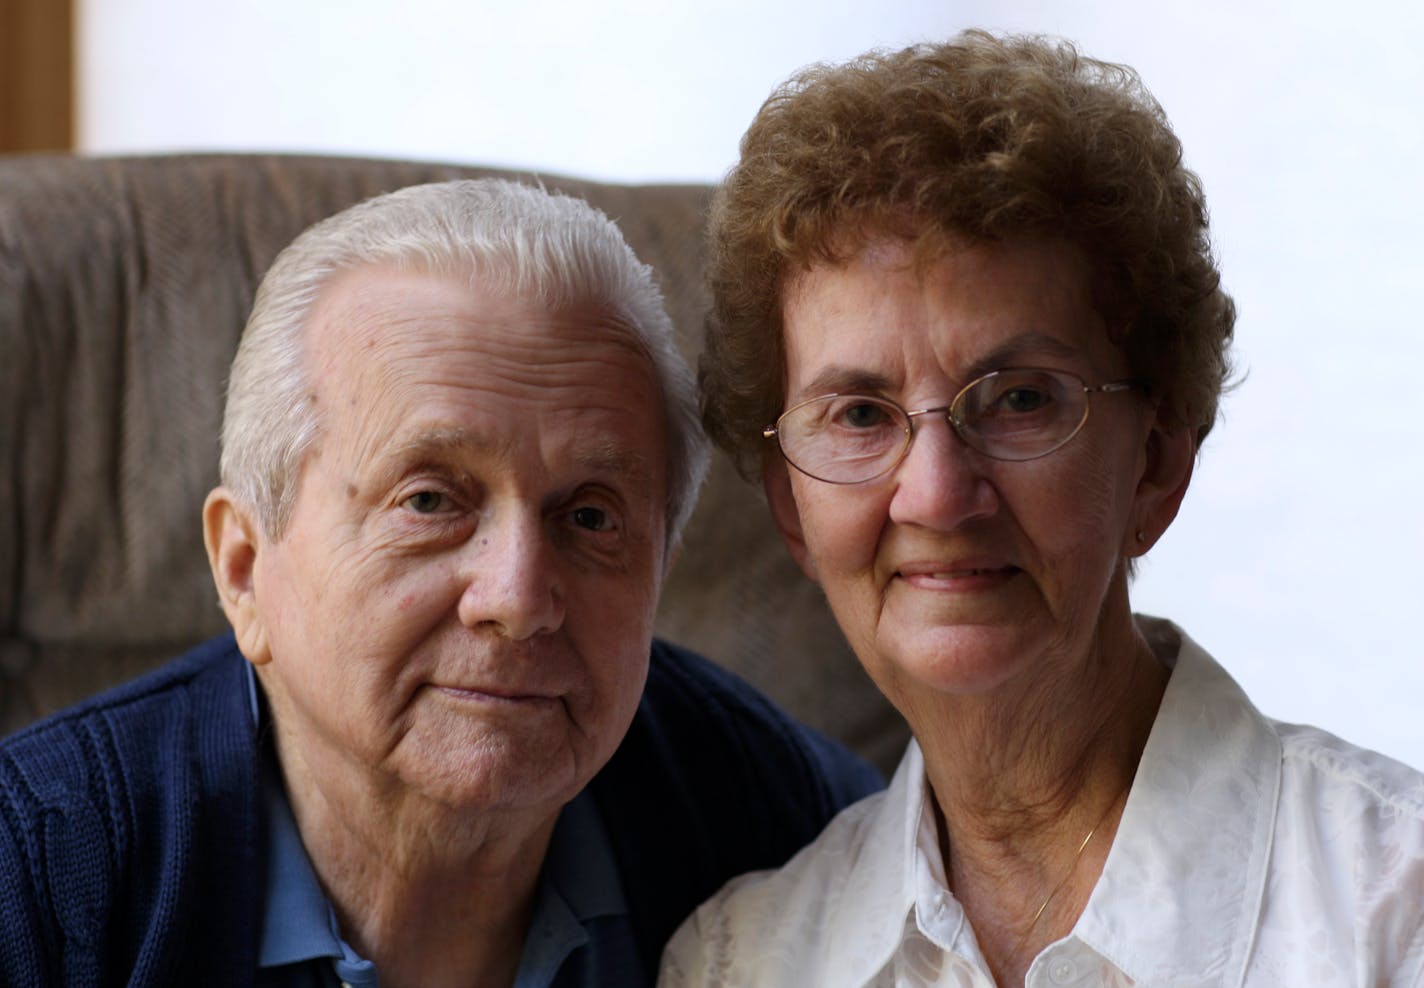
x,y
1168,460
776,480
232,539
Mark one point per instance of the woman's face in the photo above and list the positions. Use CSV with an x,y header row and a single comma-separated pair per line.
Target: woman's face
x,y
956,572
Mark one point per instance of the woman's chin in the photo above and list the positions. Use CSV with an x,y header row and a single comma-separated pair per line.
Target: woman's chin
x,y
963,659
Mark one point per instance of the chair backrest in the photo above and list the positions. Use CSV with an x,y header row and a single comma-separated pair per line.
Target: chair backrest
x,y
124,285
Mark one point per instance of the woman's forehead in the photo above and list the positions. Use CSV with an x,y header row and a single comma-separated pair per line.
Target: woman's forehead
x,y
976,308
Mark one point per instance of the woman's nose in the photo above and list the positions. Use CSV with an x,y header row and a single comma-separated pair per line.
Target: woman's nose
x,y
940,483
511,576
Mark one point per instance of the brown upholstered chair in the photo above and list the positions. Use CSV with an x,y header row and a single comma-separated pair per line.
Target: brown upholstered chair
x,y
124,284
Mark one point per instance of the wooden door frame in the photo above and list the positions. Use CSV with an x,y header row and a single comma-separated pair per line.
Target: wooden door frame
x,y
36,75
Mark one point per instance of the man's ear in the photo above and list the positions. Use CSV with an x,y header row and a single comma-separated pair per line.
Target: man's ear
x,y
670,557
233,538
776,480
1168,461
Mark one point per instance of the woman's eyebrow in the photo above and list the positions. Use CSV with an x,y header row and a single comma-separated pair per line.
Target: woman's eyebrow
x,y
843,379
1014,351
840,379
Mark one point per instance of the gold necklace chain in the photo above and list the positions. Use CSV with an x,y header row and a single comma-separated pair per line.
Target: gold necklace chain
x,y
1072,867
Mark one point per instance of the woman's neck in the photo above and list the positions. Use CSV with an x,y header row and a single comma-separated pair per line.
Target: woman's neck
x,y
1019,780
1011,763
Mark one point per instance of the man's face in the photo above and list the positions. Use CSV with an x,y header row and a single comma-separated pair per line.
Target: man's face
x,y
461,605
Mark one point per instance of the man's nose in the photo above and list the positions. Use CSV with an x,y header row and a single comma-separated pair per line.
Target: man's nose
x,y
511,576
940,484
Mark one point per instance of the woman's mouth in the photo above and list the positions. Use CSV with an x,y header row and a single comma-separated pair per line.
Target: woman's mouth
x,y
956,576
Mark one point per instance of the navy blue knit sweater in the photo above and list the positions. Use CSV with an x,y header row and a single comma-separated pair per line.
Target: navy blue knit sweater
x,y
129,825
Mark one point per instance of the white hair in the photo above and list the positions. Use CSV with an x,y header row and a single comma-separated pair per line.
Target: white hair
x,y
509,239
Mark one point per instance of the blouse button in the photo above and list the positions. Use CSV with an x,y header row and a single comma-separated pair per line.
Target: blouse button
x,y
1063,971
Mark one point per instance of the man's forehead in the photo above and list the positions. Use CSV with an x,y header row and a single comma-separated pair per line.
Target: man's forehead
x,y
372,304
423,366
590,450
373,301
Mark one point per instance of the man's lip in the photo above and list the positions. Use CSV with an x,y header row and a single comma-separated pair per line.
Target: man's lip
x,y
499,693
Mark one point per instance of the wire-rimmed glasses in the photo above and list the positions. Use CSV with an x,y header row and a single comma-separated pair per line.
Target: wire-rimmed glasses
x,y
1019,413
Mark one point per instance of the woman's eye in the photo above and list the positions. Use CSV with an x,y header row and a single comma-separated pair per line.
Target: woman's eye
x,y
593,519
426,502
863,415
1024,399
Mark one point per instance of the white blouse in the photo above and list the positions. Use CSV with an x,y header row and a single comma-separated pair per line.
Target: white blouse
x,y
1250,853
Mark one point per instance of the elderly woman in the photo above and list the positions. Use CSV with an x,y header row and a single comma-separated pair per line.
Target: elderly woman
x,y
968,326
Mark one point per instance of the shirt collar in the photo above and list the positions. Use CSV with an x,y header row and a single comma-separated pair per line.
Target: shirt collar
x,y
883,877
297,920
580,865
579,884
1186,875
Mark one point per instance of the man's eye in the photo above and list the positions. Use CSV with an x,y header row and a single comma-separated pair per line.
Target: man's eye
x,y
593,519
427,502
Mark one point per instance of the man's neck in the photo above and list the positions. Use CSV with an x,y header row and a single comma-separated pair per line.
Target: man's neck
x,y
430,896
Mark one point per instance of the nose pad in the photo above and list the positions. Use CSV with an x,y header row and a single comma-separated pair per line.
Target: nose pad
x,y
940,483
511,579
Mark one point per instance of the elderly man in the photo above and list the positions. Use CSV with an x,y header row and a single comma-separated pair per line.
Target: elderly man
x,y
458,450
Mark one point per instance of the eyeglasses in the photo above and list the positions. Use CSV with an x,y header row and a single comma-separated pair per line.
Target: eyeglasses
x,y
1012,414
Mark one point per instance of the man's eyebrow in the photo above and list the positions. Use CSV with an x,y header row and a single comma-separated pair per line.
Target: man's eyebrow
x,y
610,457
604,457
437,442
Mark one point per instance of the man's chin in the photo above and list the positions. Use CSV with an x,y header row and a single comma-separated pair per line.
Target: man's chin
x,y
493,770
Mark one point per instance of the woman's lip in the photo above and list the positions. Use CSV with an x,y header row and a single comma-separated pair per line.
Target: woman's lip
x,y
954,570
956,578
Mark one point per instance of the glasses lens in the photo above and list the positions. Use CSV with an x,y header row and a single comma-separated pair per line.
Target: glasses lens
x,y
843,439
1020,414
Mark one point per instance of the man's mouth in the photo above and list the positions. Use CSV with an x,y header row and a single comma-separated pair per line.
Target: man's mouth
x,y
490,694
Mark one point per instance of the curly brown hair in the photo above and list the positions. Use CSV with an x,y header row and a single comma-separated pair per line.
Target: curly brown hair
x,y
981,139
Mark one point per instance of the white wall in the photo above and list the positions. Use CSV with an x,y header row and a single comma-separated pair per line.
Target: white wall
x,y
1297,556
